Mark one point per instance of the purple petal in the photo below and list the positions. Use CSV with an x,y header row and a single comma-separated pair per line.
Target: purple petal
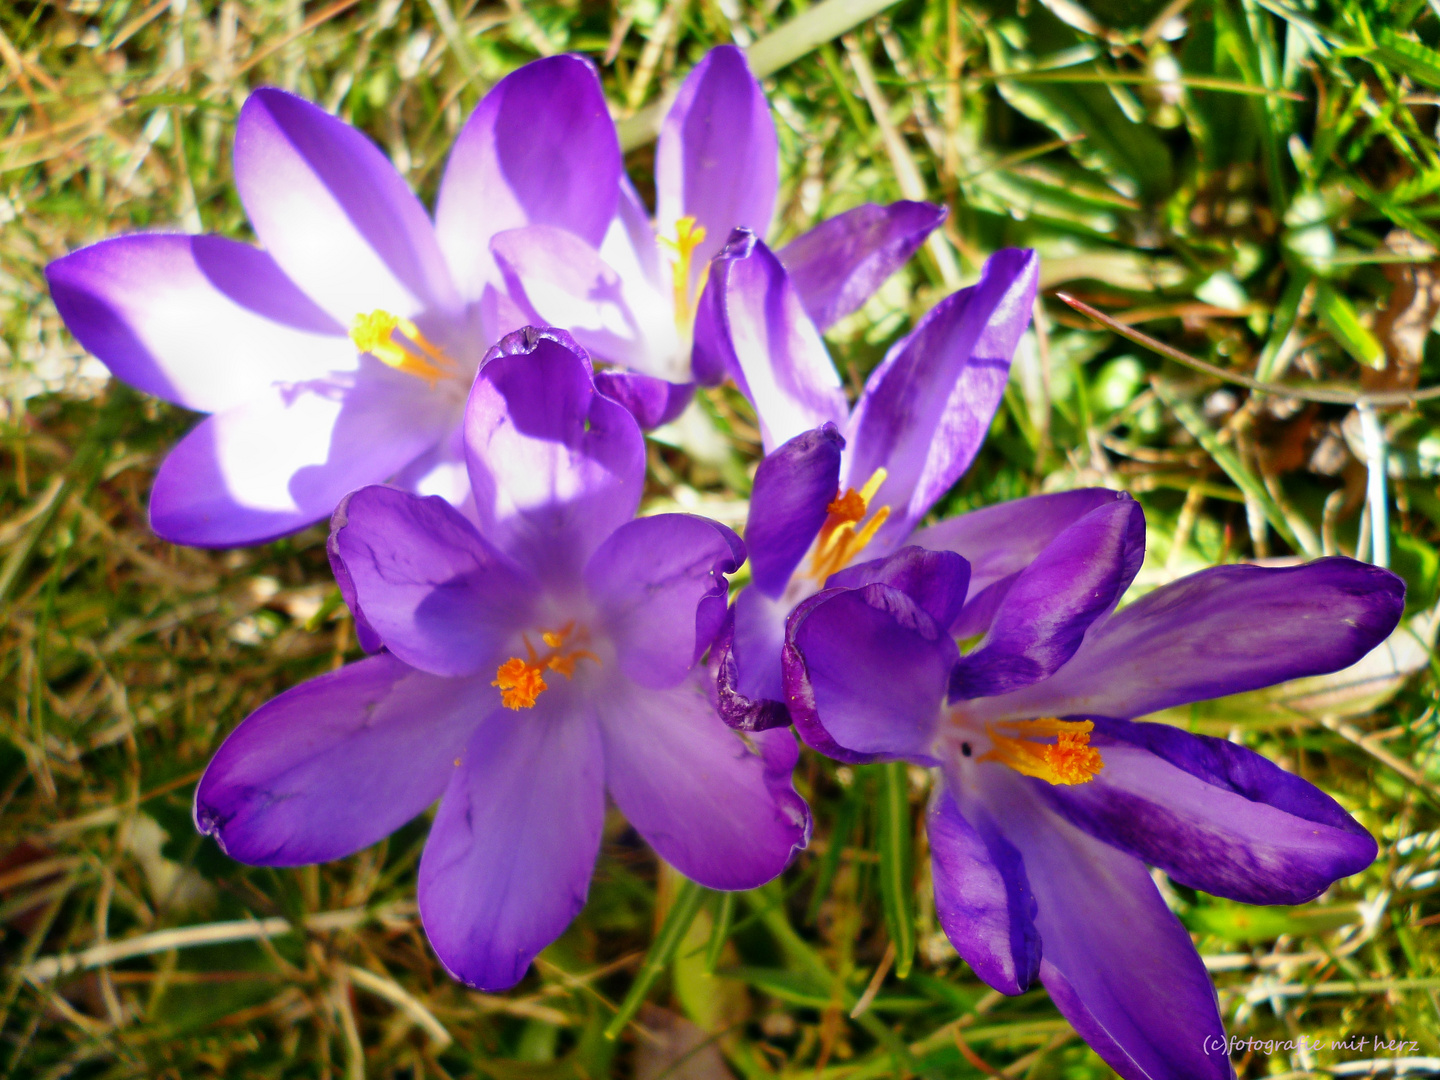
x,y
201,321
782,365
745,663
285,459
337,763
659,583
334,213
935,580
927,407
1116,961
433,590
556,467
650,400
1220,631
1051,603
982,897
539,149
717,159
865,673
840,263
510,855
1214,815
794,485
720,812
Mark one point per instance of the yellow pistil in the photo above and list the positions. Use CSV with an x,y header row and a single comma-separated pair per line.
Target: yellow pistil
x,y
838,542
522,681
398,343
688,236
1070,759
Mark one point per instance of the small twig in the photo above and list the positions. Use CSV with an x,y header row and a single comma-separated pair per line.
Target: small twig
x,y
875,981
407,1003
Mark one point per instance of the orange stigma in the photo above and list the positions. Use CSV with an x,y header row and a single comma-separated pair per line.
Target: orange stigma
x,y
1070,759
398,343
688,236
838,542
522,681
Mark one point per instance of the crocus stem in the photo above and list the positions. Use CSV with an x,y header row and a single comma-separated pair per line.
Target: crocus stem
x,y
896,888
720,932
677,923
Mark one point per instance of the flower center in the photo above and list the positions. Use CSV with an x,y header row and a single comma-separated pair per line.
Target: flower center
x,y
522,681
1070,759
398,343
688,236
839,542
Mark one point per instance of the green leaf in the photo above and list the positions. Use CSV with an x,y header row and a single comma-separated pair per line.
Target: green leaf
x,y
1420,62
662,950
896,882
1339,317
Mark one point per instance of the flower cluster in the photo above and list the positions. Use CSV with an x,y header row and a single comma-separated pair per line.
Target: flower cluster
x,y
465,397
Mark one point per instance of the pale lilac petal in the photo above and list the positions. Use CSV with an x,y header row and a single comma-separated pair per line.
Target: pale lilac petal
x,y
783,367
556,467
723,814
659,584
650,400
982,897
935,580
1220,631
334,213
337,763
745,663
793,487
438,595
286,458
201,321
1214,815
509,858
1115,959
630,246
927,407
865,672
539,149
1050,604
840,263
717,159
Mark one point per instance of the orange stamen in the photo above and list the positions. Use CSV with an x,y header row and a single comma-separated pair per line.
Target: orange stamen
x,y
522,681
838,542
398,343
1070,759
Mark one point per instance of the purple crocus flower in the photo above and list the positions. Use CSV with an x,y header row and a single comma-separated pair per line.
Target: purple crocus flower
x,y
530,665
1051,800
339,353
915,429
632,299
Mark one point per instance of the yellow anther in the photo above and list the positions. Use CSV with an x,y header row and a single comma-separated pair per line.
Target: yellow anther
x,y
839,542
398,343
522,681
688,236
1070,759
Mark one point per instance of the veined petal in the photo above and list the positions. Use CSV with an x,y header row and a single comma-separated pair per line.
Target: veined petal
x,y
650,400
1214,815
434,591
839,264
865,672
1050,604
927,407
723,814
200,321
1220,631
334,213
745,663
337,763
717,158
509,858
556,467
935,580
539,149
286,458
659,583
793,487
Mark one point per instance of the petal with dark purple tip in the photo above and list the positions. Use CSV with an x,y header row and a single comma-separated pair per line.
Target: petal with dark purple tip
x,y
337,763
650,400
794,485
745,663
719,811
927,407
659,583
840,263
509,858
334,213
1051,603
201,321
865,672
935,580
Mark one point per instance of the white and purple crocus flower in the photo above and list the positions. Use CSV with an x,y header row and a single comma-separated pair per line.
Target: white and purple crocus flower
x,y
531,664
1011,671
